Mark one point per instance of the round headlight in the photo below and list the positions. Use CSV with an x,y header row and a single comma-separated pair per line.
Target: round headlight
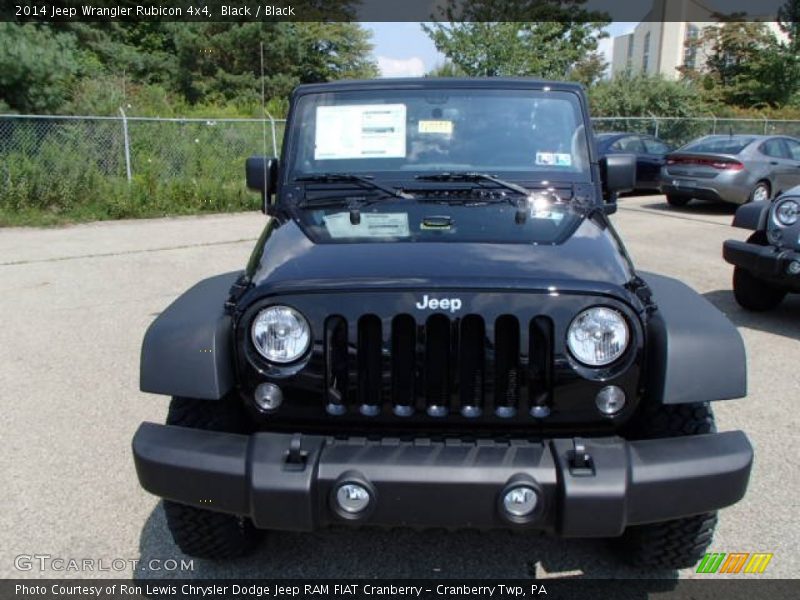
x,y
598,336
787,212
281,334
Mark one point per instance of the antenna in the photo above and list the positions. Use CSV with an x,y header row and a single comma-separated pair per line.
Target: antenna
x,y
264,124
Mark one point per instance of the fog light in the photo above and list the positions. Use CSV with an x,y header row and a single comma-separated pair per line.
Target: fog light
x,y
352,498
268,397
520,501
793,268
610,400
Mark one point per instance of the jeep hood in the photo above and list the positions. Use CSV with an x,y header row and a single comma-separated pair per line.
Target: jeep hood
x,y
590,260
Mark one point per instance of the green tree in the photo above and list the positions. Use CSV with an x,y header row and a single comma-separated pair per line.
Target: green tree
x,y
645,96
37,67
589,70
548,39
649,96
222,61
745,64
445,69
789,22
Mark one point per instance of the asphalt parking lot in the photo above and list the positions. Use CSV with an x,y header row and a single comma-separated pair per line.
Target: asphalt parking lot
x,y
75,302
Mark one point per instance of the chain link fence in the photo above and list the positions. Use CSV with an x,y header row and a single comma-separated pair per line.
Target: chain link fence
x,y
129,166
679,131
112,167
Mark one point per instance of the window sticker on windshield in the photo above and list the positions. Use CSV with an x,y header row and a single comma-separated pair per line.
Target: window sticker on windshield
x,y
553,159
360,131
547,214
372,225
445,127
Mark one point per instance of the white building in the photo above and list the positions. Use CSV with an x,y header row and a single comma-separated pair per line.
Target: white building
x,y
658,44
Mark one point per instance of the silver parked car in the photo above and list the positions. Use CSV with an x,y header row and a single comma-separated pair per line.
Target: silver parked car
x,y
731,168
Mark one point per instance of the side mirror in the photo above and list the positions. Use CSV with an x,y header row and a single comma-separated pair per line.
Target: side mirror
x,y
261,173
618,174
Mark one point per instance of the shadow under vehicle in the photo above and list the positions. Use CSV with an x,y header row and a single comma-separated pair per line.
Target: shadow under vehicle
x,y
440,328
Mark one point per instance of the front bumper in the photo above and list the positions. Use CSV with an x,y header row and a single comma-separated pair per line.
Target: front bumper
x,y
288,482
765,262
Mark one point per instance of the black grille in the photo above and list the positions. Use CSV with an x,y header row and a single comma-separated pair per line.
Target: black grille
x,y
438,367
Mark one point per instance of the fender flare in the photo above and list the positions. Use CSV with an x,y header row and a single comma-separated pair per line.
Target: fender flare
x,y
188,350
752,216
695,354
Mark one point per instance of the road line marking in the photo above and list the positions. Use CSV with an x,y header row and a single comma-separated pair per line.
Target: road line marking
x,y
124,253
651,211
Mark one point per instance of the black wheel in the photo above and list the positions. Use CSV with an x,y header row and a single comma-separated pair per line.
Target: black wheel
x,y
196,531
679,543
678,200
761,192
753,293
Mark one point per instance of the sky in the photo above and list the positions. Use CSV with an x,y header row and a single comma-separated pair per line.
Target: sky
x,y
404,50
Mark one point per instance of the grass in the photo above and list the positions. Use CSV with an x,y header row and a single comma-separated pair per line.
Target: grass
x,y
101,211
75,172
59,203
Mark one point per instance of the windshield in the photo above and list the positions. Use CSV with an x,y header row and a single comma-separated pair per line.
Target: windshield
x,y
718,145
523,134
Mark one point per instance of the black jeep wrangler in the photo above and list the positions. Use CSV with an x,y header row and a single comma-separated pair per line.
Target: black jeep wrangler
x,y
439,327
767,265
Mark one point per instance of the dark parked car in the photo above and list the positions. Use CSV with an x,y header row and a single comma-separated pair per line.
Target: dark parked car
x,y
767,265
732,168
650,154
440,328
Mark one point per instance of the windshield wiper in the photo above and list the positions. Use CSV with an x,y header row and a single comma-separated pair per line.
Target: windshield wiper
x,y
364,181
467,176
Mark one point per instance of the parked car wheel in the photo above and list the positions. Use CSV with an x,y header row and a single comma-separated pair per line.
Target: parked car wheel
x,y
755,294
679,543
198,532
761,192
678,200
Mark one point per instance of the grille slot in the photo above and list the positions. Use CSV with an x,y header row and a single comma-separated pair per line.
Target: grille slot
x,y
403,364
506,378
336,370
369,353
436,367
471,365
540,386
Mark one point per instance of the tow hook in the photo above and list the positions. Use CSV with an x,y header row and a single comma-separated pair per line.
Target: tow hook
x,y
579,460
296,457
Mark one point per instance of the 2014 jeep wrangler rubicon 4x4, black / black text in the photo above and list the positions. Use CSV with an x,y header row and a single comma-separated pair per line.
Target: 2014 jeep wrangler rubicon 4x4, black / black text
x,y
439,327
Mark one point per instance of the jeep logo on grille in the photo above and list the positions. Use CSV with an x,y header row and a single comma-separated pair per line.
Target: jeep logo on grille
x,y
451,304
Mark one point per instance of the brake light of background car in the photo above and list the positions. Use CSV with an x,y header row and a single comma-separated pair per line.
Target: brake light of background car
x,y
723,165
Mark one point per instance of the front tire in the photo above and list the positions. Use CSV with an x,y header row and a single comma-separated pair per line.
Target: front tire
x,y
755,294
204,533
679,543
678,200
